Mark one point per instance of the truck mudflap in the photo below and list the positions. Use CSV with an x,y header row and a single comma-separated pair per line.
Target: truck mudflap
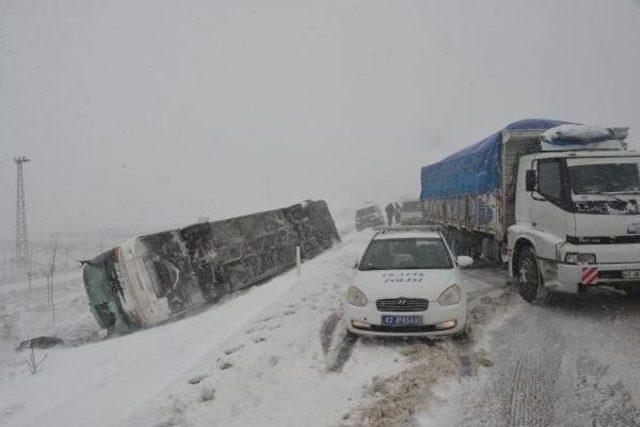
x,y
153,278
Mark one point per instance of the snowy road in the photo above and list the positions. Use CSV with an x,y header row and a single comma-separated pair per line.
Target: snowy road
x,y
276,354
572,362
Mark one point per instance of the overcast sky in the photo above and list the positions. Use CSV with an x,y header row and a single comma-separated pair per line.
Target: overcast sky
x,y
143,114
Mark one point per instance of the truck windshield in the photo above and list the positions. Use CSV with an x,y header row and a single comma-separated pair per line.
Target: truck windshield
x,y
406,254
606,186
605,177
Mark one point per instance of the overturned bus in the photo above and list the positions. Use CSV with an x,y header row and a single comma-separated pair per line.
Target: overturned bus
x,y
150,279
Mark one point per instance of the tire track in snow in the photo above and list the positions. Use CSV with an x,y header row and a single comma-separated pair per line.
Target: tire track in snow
x,y
531,393
338,355
565,363
327,330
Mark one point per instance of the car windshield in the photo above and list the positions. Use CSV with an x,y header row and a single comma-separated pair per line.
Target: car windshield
x,y
617,176
406,254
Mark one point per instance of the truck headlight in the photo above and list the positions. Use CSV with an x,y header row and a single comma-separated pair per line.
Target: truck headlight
x,y
357,297
451,295
576,258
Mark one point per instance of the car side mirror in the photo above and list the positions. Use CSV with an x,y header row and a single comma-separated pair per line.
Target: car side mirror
x,y
531,179
464,261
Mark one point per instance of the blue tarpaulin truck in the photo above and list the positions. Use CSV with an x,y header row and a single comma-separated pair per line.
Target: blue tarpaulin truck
x,y
559,202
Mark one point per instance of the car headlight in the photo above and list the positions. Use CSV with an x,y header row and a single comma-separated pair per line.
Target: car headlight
x,y
576,258
357,297
451,295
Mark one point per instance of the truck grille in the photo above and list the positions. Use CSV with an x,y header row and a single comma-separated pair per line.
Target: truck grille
x,y
603,240
614,276
402,304
610,274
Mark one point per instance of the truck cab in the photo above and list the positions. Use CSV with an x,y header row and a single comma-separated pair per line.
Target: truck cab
x,y
577,221
412,213
369,216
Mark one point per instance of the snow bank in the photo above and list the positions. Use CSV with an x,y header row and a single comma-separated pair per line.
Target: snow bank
x,y
104,382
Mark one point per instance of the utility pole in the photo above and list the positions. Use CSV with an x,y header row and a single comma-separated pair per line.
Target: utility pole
x,y
22,239
268,192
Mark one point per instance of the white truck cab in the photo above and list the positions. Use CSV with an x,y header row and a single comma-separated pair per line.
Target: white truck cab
x,y
577,220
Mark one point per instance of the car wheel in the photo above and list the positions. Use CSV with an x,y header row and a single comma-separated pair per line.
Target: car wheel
x,y
529,277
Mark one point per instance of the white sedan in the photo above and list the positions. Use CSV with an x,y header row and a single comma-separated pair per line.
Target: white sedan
x,y
407,284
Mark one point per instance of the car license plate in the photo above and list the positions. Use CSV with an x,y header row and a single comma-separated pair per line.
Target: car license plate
x,y
631,274
401,320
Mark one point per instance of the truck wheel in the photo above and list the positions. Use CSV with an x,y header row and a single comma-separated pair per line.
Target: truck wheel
x,y
529,278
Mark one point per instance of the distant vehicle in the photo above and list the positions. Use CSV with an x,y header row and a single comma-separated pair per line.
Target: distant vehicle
x,y
412,213
407,284
369,216
151,279
559,202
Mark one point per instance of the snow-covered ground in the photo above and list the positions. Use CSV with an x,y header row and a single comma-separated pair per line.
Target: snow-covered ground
x,y
572,362
25,313
275,354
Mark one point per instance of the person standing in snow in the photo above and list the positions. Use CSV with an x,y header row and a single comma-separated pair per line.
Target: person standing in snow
x,y
390,210
398,214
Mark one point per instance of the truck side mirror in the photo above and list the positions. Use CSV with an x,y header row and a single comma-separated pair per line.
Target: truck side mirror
x,y
531,179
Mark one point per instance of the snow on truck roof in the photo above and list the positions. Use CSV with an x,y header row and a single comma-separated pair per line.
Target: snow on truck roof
x,y
572,134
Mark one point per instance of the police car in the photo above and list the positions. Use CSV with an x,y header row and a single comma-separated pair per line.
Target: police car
x,y
407,284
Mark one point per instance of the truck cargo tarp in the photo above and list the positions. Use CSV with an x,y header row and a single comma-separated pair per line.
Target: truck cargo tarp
x,y
474,170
